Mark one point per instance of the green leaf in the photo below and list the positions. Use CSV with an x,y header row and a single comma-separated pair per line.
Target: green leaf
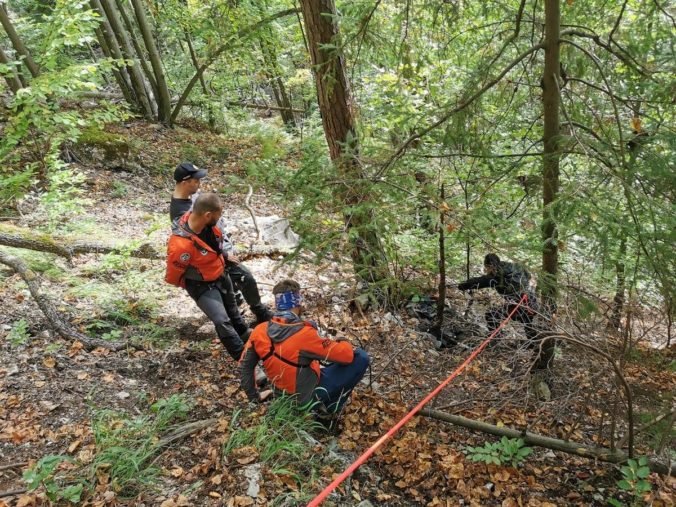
x,y
625,485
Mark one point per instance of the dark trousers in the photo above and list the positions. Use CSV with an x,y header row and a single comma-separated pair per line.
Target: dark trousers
x,y
495,315
244,281
337,381
217,301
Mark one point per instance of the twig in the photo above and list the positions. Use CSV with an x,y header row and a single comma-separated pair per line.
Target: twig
x,y
20,464
247,205
12,492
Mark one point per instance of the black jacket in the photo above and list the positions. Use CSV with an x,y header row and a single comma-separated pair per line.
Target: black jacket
x,y
510,280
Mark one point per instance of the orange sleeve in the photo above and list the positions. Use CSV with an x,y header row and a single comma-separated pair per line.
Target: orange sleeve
x,y
326,349
178,260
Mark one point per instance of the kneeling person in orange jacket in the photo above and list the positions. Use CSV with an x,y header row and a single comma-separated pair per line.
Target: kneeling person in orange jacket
x,y
290,349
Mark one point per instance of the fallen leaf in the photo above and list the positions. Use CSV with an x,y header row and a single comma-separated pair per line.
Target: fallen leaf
x,y
49,362
74,445
215,494
82,375
246,460
177,472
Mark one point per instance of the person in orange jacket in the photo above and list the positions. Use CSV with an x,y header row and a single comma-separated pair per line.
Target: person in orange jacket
x,y
195,262
290,350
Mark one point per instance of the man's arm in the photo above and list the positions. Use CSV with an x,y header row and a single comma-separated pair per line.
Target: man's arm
x,y
479,282
325,349
178,260
247,375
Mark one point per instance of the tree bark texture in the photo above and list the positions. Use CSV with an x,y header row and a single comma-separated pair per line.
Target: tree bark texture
x,y
600,453
16,41
107,9
12,79
140,51
620,284
163,101
550,172
111,49
335,104
51,314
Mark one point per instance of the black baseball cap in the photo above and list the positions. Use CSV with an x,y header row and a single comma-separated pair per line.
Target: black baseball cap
x,y
186,170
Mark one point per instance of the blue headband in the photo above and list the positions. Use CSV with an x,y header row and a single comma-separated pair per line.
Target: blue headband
x,y
287,300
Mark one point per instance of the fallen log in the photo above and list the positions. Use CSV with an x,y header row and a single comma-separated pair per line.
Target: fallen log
x,y
68,248
599,453
51,314
63,247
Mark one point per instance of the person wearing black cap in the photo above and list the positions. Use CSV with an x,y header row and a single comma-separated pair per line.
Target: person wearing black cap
x,y
188,179
512,282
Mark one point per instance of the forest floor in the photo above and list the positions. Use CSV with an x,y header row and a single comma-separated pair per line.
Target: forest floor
x,y
58,398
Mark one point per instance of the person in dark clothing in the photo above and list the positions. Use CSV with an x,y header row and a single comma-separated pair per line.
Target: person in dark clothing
x,y
512,282
188,177
195,262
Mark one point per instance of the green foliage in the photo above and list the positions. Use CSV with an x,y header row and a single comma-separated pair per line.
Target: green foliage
x,y
280,438
634,480
507,451
125,447
44,474
19,334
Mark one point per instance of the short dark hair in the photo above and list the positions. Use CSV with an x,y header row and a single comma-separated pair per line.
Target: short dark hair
x,y
492,259
206,202
287,285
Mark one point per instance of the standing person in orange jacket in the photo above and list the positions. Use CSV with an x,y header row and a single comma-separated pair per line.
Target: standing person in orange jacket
x,y
290,349
195,262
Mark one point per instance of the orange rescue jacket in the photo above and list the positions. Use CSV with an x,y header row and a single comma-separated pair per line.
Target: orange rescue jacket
x,y
290,350
190,258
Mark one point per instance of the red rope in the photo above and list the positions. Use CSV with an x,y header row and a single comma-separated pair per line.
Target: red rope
x,y
367,454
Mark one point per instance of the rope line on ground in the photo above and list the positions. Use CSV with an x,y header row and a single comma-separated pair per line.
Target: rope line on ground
x,y
369,452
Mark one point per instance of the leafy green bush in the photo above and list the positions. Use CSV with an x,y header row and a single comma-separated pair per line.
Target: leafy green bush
x,y
634,475
44,474
18,335
507,451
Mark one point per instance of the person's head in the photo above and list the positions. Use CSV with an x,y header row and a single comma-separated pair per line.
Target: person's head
x,y
287,296
207,208
188,177
491,264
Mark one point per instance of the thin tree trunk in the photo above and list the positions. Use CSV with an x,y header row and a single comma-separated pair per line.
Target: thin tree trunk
x,y
240,35
620,284
273,72
108,10
195,62
12,78
163,101
147,73
441,302
550,179
600,453
336,107
16,41
111,49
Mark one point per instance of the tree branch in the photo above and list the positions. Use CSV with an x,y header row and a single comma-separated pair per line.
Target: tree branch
x,y
244,32
53,318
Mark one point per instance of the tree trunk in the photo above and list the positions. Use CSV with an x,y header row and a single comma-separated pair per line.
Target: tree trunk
x,y
336,107
618,300
12,78
274,74
163,101
129,25
550,172
17,44
111,49
107,9
608,455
